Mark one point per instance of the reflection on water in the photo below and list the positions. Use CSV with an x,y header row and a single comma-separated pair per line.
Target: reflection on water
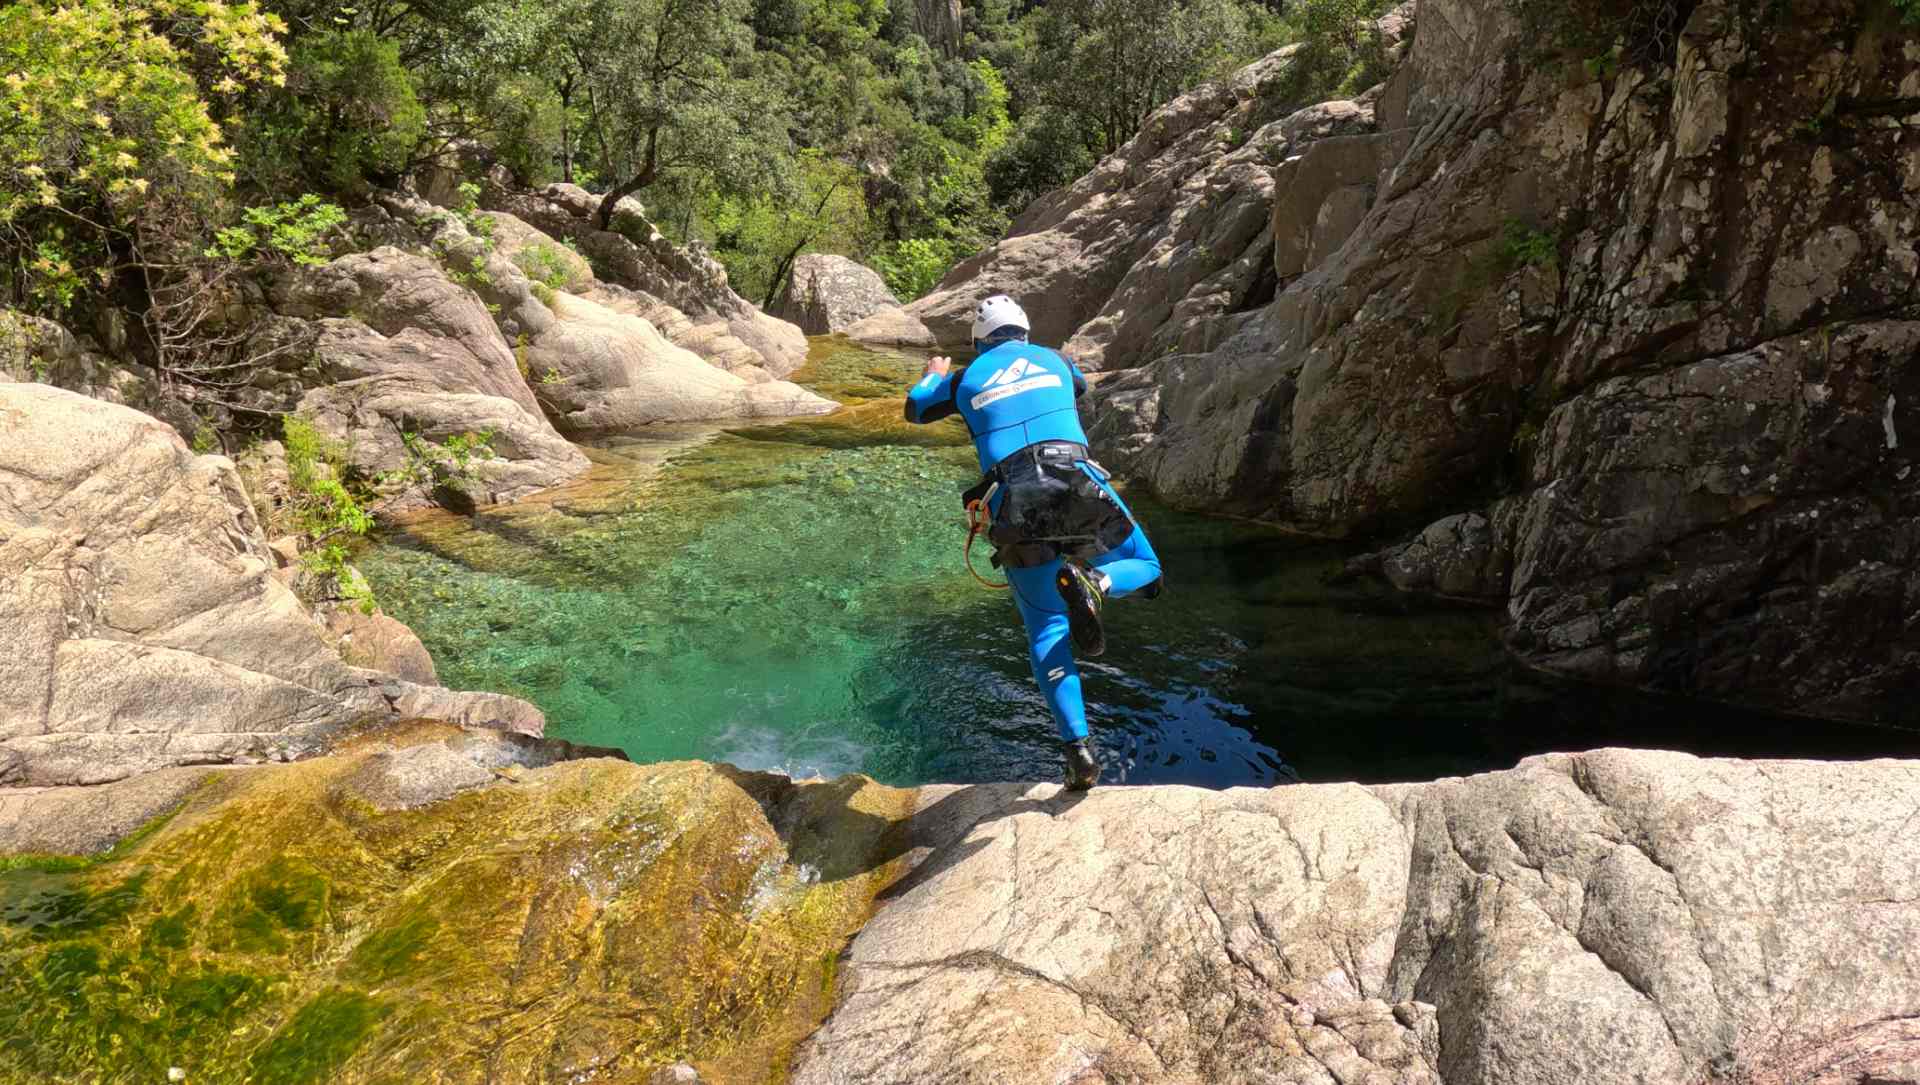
x,y
791,597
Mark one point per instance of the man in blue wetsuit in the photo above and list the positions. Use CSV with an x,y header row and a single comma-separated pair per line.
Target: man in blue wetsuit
x,y
1065,538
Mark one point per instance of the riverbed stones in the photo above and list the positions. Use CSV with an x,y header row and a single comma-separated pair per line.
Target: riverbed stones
x,y
1615,916
139,616
826,293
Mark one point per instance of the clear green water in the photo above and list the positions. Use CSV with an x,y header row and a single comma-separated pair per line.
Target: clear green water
x,y
792,597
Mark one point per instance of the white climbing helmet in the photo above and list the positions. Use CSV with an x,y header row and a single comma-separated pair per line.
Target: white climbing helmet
x,y
998,311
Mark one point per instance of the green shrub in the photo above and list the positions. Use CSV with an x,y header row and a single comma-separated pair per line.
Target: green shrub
x,y
545,265
448,464
296,230
1522,245
361,105
324,509
915,266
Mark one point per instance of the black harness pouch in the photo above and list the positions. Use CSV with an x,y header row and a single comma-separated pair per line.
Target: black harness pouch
x,y
1052,507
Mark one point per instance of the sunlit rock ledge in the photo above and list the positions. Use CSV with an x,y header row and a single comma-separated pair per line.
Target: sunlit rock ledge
x,y
512,909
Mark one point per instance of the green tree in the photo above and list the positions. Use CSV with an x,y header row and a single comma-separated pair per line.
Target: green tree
x,y
1111,62
760,238
347,115
109,139
671,88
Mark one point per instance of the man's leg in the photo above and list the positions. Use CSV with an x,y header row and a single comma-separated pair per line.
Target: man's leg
x,y
1130,566
1050,647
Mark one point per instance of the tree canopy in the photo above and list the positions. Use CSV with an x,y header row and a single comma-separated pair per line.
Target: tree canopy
x,y
763,128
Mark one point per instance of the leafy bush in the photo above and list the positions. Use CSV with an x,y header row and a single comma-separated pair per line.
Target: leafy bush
x,y
443,465
545,265
1522,245
109,124
294,231
348,114
1049,150
1338,53
324,510
915,266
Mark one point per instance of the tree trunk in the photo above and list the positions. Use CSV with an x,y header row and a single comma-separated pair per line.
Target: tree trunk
x,y
565,90
780,273
649,171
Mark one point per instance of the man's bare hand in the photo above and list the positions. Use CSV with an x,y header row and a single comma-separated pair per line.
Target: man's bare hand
x,y
939,365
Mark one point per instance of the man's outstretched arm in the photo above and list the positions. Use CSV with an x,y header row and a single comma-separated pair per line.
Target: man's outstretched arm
x,y
932,398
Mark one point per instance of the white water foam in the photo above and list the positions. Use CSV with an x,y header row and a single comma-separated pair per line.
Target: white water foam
x,y
812,753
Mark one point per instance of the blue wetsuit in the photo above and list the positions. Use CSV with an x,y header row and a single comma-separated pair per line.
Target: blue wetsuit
x,y
1012,396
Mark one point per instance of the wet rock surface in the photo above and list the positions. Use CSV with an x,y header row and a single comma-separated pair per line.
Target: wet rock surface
x,y
1614,916
426,900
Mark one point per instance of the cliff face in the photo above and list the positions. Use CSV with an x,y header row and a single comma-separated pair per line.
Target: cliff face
x,y
1639,327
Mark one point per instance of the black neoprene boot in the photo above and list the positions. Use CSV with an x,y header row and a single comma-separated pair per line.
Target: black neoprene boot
x,y
1082,595
1083,768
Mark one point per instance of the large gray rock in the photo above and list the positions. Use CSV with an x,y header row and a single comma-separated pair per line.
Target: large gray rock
x,y
1658,318
826,294
598,370
1609,917
400,348
536,254
707,318
139,619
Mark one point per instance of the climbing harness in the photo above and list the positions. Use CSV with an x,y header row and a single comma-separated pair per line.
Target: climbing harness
x,y
1055,504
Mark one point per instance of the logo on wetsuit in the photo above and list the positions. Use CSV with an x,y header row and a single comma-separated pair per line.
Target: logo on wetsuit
x,y
1021,376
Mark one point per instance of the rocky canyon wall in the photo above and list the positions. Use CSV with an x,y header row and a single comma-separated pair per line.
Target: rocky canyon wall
x,y
1633,328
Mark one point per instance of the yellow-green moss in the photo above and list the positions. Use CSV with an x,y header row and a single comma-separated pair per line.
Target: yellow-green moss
x,y
589,921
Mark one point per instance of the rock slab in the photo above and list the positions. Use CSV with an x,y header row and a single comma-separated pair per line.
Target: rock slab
x,y
1617,916
139,617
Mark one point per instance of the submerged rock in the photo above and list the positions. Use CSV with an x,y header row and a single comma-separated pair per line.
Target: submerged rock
x,y
421,904
1607,917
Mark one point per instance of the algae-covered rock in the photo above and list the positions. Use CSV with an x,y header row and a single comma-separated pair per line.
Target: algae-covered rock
x,y
426,899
